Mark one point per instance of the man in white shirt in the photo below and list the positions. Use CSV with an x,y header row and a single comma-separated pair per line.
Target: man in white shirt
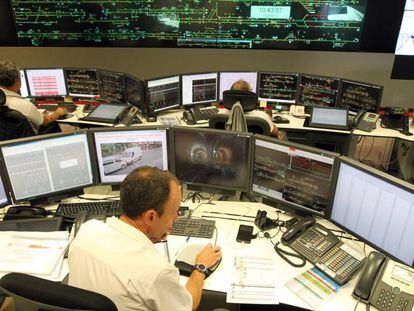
x,y
118,259
10,83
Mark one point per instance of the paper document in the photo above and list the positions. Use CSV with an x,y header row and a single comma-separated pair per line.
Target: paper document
x,y
253,281
36,253
169,121
313,287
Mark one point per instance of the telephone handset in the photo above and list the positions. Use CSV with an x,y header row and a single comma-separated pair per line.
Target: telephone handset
x,y
297,229
189,117
366,121
130,115
385,284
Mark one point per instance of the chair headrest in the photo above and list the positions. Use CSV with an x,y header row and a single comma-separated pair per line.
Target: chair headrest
x,y
247,99
2,98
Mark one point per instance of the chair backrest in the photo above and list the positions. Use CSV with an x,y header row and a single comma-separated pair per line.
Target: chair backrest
x,y
2,98
255,125
247,99
14,124
33,293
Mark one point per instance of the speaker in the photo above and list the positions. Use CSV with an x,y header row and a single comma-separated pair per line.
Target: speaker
x,y
151,114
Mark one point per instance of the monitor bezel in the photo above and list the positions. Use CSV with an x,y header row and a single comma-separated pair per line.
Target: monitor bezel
x,y
147,95
322,77
57,221
106,120
375,173
94,154
209,187
286,205
3,180
25,82
46,96
50,196
99,72
280,102
82,95
380,87
330,126
199,104
234,71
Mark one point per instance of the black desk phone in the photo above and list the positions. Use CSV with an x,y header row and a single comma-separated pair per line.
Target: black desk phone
x,y
322,248
386,284
366,121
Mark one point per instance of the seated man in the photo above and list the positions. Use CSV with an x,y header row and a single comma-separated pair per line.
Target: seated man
x,y
245,86
118,259
10,83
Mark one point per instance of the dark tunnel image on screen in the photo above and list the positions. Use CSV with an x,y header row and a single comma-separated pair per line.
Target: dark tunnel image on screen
x,y
212,159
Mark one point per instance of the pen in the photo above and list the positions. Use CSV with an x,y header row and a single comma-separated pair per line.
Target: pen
x,y
230,214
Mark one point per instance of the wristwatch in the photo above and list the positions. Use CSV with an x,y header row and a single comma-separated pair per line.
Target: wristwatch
x,y
201,268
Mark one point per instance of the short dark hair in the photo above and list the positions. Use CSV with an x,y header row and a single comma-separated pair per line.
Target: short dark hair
x,y
9,73
145,188
241,85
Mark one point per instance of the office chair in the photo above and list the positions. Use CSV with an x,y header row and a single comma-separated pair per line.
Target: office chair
x,y
31,293
255,125
13,124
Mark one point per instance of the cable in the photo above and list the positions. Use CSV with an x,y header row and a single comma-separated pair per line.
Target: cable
x,y
370,150
282,253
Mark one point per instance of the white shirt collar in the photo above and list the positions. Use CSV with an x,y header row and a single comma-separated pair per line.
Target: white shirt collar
x,y
11,93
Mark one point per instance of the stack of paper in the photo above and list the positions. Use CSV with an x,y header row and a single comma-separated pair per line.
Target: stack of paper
x,y
253,281
36,253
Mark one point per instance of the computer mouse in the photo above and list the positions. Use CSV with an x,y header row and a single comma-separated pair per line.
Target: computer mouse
x,y
277,119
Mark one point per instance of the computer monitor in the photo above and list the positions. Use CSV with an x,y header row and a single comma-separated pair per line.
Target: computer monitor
x,y
32,224
198,89
46,82
359,95
278,87
4,198
212,160
120,151
111,86
82,82
24,91
226,80
318,91
134,92
163,93
293,177
375,207
329,117
47,167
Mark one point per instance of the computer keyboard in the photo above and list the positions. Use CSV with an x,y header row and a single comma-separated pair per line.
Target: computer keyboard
x,y
200,228
204,113
108,208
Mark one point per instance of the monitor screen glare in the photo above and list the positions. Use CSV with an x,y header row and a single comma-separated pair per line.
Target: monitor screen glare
x,y
329,116
164,93
290,175
120,152
228,78
375,209
199,88
46,82
40,167
212,159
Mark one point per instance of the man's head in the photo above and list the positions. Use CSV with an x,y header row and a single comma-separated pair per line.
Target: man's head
x,y
9,75
241,85
151,198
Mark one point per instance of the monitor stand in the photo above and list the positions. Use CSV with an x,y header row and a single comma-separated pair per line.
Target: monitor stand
x,y
225,194
286,208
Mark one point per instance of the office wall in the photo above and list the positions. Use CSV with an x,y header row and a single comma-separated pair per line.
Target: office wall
x,y
152,62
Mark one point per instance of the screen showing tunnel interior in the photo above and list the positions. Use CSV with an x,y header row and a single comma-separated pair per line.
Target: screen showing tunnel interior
x,y
120,152
292,176
212,159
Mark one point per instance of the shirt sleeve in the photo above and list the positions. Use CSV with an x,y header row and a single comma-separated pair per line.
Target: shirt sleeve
x,y
34,116
166,293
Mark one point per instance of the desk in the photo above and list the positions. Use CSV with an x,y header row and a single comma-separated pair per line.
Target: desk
x,y
259,247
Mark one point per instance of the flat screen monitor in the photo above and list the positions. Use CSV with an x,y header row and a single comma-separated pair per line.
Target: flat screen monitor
x,y
228,78
111,86
278,87
199,88
318,91
375,207
82,82
163,93
4,198
297,178
47,167
333,118
118,152
134,92
211,159
32,224
46,82
107,113
24,91
359,95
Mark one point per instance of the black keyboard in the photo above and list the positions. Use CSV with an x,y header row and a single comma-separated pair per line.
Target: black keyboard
x,y
108,208
204,113
199,228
